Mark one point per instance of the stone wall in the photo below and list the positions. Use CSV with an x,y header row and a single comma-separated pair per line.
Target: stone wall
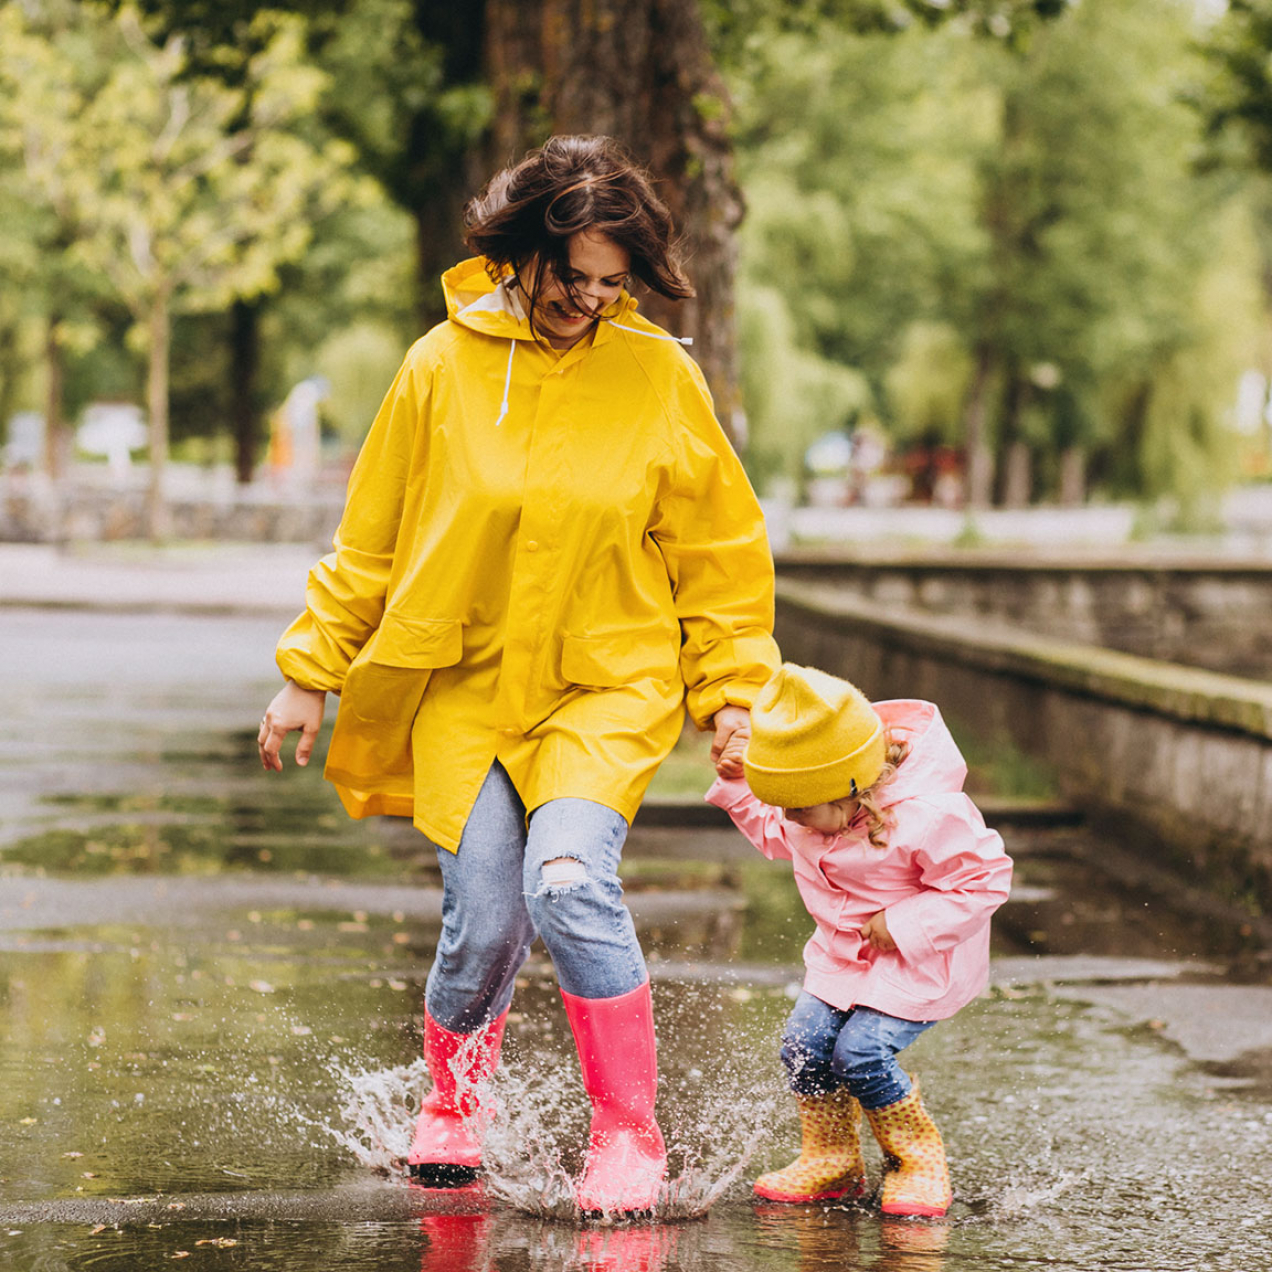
x,y
31,511
1174,761
1213,613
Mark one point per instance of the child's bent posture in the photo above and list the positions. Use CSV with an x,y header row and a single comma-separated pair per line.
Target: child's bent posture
x,y
901,874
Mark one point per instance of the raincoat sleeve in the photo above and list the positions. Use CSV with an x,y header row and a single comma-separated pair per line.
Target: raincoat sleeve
x,y
711,533
765,827
344,597
964,873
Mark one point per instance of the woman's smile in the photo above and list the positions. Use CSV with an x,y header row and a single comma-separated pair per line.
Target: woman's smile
x,y
568,306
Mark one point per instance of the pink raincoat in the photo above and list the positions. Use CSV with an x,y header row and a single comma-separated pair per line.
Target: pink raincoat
x,y
939,879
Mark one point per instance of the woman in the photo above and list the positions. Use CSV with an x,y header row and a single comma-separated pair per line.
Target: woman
x,y
548,551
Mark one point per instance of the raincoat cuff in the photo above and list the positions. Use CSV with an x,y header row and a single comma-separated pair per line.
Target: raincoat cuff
x,y
727,792
704,709
303,672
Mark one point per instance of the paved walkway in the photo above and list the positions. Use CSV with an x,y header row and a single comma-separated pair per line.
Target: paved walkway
x,y
184,578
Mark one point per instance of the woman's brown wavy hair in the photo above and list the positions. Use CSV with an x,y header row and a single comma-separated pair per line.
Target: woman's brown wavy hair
x,y
529,211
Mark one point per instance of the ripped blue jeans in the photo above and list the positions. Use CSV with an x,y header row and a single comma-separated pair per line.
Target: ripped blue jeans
x,y
505,885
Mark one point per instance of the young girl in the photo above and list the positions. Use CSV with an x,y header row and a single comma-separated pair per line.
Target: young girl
x,y
901,874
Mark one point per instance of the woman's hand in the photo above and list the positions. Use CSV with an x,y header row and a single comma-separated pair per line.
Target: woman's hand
x,y
292,708
732,733
875,934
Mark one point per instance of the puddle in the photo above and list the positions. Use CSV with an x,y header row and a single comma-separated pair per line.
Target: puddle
x,y
210,984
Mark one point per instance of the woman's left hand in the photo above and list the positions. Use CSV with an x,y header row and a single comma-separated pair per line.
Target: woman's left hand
x,y
732,733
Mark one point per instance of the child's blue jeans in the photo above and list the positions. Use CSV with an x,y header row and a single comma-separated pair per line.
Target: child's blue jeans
x,y
824,1048
497,897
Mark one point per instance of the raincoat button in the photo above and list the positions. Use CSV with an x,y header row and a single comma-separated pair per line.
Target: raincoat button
x,y
532,546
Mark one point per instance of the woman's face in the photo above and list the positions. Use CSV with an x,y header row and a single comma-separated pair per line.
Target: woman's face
x,y
597,271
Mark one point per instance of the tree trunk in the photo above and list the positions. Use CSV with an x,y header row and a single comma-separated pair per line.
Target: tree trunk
x,y
1017,475
641,71
1073,476
245,415
158,519
439,243
10,369
443,167
55,441
1017,480
980,464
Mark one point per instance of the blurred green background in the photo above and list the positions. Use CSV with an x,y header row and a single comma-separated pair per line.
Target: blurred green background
x,y
964,252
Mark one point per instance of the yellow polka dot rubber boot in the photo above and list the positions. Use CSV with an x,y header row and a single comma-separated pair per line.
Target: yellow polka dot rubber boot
x,y
829,1164
916,1180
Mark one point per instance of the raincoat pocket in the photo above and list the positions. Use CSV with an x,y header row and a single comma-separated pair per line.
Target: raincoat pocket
x,y
605,662
383,691
925,980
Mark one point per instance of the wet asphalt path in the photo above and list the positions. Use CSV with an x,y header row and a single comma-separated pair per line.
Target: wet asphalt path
x,y
209,992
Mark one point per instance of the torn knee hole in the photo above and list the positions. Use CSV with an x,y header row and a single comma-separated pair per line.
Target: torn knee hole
x,y
561,874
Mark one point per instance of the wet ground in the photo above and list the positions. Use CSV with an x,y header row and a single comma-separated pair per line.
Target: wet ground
x,y
210,985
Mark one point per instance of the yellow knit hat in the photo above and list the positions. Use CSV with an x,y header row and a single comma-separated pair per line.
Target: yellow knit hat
x,y
814,739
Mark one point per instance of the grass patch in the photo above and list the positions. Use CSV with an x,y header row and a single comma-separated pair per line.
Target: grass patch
x,y
687,771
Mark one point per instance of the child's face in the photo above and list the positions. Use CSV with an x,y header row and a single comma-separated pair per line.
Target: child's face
x,y
829,819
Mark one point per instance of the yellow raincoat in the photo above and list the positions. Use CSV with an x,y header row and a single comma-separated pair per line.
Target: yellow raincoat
x,y
544,555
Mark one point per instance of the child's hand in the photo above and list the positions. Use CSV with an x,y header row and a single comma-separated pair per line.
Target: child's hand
x,y
732,733
875,933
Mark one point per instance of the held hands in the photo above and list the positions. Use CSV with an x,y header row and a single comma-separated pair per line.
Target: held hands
x,y
732,733
875,933
293,708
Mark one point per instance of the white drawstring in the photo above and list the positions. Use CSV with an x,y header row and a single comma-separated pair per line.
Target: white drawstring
x,y
654,335
503,406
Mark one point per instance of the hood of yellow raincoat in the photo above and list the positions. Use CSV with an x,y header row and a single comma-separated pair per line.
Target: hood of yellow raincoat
x,y
476,301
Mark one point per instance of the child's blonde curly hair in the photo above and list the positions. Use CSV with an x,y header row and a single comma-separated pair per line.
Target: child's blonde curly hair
x,y
879,820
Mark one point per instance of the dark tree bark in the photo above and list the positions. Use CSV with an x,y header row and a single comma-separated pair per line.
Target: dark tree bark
x,y
56,444
245,413
641,71
440,169
980,460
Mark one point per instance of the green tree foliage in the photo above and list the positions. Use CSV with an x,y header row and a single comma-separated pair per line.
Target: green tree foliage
x,y
1007,237
1238,90
861,220
182,192
406,90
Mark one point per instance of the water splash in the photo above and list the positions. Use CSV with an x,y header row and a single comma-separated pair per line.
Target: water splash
x,y
377,1113
536,1133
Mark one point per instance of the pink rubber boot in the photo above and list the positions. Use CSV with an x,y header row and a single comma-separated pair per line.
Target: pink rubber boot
x,y
446,1150
626,1157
